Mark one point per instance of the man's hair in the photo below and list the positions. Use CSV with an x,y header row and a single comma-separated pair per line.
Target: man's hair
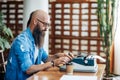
x,y
29,20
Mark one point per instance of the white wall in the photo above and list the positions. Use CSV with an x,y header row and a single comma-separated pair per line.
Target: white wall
x,y
31,5
117,38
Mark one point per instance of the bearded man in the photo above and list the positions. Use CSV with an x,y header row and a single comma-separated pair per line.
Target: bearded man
x,y
27,53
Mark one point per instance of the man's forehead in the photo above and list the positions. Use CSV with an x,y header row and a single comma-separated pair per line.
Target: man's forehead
x,y
40,14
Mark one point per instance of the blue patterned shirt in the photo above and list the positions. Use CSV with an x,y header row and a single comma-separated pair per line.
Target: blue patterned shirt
x,y
21,56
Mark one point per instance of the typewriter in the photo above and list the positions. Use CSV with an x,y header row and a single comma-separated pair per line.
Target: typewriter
x,y
84,63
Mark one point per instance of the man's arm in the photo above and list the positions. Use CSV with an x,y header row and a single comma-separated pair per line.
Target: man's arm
x,y
39,67
52,60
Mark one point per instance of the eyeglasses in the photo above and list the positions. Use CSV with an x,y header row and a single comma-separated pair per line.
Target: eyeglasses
x,y
44,23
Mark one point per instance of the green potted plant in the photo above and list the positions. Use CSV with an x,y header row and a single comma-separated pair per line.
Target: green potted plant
x,y
6,35
105,19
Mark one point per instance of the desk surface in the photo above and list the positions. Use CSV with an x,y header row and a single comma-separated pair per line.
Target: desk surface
x,y
55,74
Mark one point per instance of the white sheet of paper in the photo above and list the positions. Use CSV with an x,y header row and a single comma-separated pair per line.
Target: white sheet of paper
x,y
74,77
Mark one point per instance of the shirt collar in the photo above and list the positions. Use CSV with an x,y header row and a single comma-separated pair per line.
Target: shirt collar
x,y
30,34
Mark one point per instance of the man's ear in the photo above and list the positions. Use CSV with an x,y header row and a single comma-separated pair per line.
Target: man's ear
x,y
34,22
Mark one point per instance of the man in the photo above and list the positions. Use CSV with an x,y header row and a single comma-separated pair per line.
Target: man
x,y
27,51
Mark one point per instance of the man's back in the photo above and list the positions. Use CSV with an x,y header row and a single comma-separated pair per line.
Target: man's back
x,y
19,54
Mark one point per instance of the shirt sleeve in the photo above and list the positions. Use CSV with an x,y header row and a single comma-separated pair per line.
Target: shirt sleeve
x,y
23,54
44,55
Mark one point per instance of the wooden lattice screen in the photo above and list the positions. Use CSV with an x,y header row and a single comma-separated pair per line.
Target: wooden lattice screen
x,y
74,27
13,15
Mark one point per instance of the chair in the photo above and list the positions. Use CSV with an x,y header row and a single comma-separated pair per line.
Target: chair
x,y
3,61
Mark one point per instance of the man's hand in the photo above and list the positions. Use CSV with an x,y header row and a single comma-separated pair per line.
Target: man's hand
x,y
63,58
61,61
69,55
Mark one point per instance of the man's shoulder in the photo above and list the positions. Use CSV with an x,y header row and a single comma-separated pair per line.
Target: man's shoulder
x,y
22,37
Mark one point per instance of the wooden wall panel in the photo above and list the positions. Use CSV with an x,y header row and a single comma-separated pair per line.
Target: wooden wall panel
x,y
13,15
74,27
